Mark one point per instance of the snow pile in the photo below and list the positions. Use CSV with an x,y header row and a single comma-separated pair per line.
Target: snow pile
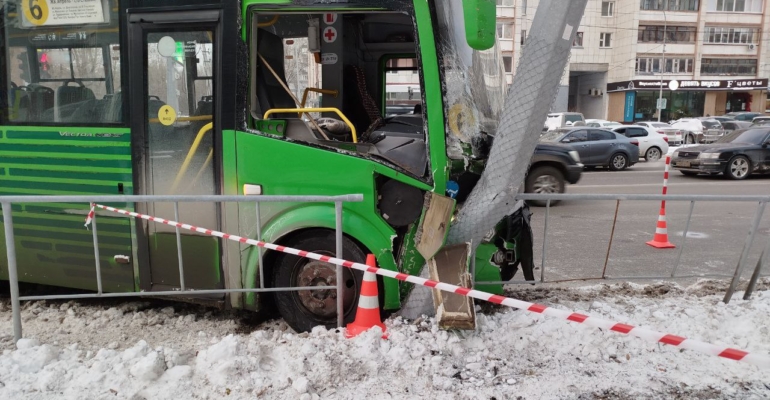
x,y
513,353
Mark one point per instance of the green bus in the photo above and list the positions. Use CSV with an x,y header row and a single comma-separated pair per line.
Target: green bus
x,y
250,97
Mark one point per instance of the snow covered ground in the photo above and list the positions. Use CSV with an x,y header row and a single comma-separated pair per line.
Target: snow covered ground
x,y
160,350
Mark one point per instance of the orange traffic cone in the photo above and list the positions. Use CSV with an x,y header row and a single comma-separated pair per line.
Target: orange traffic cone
x,y
368,313
660,240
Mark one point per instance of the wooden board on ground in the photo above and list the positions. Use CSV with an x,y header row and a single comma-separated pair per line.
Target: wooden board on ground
x,y
450,265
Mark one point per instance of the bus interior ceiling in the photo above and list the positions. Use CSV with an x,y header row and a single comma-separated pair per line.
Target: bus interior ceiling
x,y
368,40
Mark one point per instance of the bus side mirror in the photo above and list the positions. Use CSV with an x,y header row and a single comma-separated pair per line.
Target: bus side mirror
x,y
480,23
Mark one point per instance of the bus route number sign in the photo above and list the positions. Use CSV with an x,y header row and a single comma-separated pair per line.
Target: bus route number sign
x,y
36,11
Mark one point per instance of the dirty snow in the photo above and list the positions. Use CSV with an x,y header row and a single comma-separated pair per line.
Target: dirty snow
x,y
150,350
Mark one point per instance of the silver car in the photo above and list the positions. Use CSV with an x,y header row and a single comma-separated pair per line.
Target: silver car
x,y
700,130
598,147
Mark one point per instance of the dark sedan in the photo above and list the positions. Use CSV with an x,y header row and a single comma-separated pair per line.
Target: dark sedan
x,y
597,147
737,154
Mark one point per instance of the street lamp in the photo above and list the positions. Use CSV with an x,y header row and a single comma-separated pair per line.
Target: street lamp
x,y
662,65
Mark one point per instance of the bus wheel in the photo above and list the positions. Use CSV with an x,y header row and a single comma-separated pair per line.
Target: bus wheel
x,y
305,309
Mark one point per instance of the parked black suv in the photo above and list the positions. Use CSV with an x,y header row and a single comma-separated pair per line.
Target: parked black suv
x,y
552,165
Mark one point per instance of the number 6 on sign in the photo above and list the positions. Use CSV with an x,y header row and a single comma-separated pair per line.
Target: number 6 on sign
x,y
36,11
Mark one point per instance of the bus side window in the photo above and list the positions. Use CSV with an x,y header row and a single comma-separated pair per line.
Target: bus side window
x,y
70,81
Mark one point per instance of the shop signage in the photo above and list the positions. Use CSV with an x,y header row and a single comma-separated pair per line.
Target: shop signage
x,y
727,84
628,114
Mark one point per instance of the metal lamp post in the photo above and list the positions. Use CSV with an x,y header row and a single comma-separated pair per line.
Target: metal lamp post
x,y
662,65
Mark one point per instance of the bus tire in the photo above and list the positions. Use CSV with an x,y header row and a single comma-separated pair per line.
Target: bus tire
x,y
303,310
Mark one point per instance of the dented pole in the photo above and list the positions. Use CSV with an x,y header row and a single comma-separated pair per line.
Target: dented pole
x,y
529,99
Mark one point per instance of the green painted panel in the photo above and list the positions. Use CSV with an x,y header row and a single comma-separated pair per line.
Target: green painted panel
x,y
56,135
296,169
124,164
62,148
53,245
485,270
80,175
434,103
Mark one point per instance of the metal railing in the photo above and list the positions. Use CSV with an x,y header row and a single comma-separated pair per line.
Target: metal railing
x,y
761,202
7,201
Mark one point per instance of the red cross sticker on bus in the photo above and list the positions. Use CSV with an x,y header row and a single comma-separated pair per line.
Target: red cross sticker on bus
x,y
330,18
330,35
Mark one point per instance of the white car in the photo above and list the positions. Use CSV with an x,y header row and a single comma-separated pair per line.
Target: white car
x,y
675,136
561,120
601,123
652,145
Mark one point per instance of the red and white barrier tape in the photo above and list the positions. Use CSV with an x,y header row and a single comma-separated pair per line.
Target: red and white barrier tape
x,y
642,333
90,215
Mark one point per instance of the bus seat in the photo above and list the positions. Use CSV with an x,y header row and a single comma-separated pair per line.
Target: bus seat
x,y
113,110
66,95
358,104
270,93
39,100
18,104
153,106
205,106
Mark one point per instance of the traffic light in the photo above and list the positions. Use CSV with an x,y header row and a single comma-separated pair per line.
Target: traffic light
x,y
24,67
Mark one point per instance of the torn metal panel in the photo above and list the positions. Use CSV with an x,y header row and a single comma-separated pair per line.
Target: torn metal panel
x,y
451,265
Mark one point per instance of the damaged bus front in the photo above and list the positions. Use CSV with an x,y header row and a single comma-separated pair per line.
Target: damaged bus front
x,y
390,108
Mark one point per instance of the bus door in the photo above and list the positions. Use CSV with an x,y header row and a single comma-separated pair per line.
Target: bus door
x,y
176,137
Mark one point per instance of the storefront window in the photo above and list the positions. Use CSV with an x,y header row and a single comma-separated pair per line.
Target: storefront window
x,y
680,104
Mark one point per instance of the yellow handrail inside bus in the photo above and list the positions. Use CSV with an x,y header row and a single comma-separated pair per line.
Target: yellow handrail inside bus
x,y
268,23
203,168
334,93
190,154
184,119
311,110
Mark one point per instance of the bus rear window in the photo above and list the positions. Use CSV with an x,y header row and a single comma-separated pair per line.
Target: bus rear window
x,y
63,74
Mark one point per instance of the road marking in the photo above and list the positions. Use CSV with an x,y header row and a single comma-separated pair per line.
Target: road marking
x,y
635,172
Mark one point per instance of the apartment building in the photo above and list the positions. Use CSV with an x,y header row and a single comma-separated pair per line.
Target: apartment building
x,y
625,51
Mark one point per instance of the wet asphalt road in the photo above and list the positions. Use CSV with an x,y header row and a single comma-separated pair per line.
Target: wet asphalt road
x,y
579,231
